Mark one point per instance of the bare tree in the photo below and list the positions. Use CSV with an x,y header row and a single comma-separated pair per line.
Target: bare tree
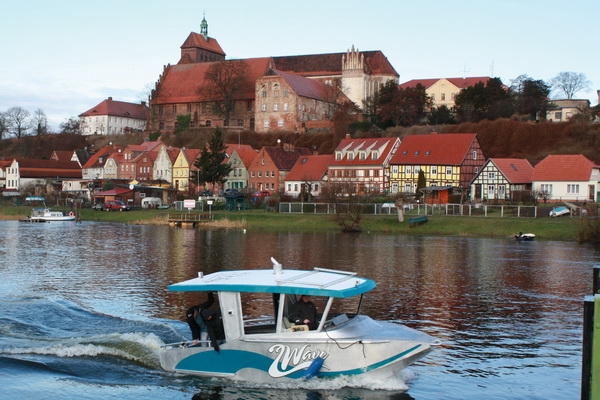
x,y
18,120
224,81
569,83
347,203
71,125
39,122
4,125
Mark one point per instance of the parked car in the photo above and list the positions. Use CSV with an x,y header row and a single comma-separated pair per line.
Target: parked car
x,y
558,211
232,193
98,207
116,205
262,193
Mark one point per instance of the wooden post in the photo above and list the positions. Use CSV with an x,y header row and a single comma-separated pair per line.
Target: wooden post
x,y
590,386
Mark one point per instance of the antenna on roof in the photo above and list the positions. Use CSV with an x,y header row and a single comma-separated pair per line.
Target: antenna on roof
x,y
464,71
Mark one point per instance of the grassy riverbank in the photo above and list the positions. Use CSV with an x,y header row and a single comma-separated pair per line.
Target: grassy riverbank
x,y
545,228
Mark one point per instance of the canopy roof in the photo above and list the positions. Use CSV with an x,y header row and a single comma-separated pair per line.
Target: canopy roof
x,y
318,282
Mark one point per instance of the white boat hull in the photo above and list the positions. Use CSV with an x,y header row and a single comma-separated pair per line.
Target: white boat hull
x,y
361,346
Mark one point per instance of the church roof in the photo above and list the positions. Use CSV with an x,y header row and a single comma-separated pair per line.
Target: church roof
x,y
196,40
331,64
305,87
175,85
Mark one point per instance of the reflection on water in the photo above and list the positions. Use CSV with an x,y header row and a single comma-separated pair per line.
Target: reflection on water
x,y
509,313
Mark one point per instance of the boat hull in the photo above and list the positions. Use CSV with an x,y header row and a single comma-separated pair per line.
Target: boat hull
x,y
361,347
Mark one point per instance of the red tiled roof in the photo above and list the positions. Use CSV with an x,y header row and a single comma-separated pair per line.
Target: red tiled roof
x,y
30,168
61,155
104,152
285,159
331,64
383,145
460,83
119,109
515,170
434,149
180,83
564,167
246,155
310,168
190,155
197,40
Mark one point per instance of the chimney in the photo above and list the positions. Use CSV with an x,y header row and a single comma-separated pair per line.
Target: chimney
x,y
347,136
110,99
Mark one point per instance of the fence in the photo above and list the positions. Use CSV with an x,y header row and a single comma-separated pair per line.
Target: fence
x,y
470,210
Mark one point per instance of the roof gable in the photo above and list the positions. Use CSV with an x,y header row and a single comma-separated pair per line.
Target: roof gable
x,y
196,40
363,151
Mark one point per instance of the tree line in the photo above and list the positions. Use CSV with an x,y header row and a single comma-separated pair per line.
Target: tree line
x,y
525,97
18,122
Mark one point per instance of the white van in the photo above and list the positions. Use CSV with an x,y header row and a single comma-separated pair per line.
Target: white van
x,y
151,202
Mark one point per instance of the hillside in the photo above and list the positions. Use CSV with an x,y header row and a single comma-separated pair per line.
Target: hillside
x,y
500,138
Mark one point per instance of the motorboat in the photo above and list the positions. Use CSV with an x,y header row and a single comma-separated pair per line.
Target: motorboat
x,y
524,237
262,346
47,215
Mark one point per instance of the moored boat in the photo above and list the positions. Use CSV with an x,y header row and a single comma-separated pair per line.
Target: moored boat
x,y
270,348
524,237
47,215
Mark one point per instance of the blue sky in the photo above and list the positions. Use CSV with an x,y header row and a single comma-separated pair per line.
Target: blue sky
x,y
66,56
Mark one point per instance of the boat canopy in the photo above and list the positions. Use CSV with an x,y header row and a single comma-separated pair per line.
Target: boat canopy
x,y
318,282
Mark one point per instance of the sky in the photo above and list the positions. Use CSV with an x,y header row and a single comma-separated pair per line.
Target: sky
x,y
66,56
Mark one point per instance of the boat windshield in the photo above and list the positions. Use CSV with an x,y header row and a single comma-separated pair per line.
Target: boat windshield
x,y
263,311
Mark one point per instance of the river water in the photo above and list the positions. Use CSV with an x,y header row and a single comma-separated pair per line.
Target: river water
x,y
84,309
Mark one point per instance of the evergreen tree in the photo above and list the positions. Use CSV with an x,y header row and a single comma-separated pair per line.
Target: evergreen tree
x,y
211,166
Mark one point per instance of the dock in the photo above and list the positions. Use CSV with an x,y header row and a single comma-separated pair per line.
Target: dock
x,y
187,219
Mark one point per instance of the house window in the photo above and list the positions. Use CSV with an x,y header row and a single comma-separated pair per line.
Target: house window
x,y
266,123
443,97
408,169
394,169
432,96
289,189
285,106
264,107
453,96
264,93
546,188
434,170
208,122
375,155
252,174
272,174
474,155
338,156
240,122
362,155
275,107
490,191
295,187
573,189
280,123
407,187
260,174
448,170
491,175
316,187
350,156
417,169
558,115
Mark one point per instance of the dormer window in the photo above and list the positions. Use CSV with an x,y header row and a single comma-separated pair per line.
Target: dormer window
x,y
375,155
350,156
362,155
338,156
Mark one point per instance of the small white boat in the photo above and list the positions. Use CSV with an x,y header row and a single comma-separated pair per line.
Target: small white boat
x,y
270,350
524,237
47,215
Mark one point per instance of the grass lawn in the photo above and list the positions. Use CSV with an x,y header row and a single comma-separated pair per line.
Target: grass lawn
x,y
545,228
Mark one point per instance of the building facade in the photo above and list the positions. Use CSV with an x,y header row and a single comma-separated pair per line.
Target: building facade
x,y
112,117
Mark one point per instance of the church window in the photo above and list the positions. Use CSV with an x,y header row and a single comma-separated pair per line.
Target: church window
x,y
285,106
275,107
264,107
280,123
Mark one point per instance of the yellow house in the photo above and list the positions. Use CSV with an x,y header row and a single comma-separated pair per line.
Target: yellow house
x,y
443,91
181,168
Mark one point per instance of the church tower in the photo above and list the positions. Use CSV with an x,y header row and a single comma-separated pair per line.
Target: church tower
x,y
198,47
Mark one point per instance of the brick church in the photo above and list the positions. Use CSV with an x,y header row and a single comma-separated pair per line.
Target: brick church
x,y
289,93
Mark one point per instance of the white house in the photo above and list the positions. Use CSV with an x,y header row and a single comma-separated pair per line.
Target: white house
x,y
308,175
112,117
567,177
